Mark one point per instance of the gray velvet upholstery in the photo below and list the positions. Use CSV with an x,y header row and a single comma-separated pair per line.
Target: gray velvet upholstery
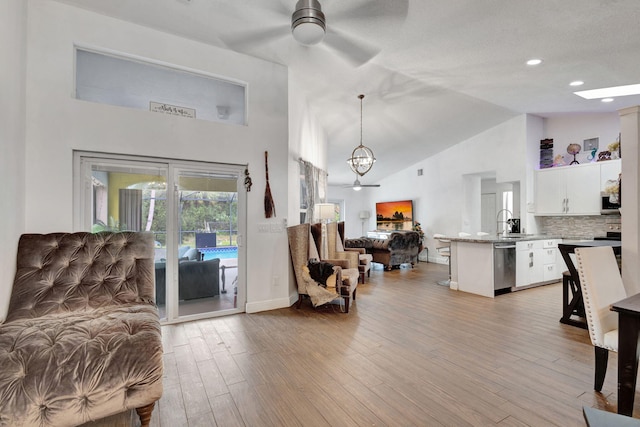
x,y
401,247
82,338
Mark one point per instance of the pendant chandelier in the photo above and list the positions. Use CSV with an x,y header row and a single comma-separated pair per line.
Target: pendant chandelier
x,y
362,158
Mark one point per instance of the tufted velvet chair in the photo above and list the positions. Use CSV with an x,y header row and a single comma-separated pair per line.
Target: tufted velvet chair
x,y
601,286
82,337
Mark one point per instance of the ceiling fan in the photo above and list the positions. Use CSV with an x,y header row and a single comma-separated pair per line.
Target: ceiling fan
x,y
337,30
357,186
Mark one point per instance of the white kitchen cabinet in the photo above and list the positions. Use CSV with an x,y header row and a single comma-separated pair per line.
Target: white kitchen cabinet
x,y
568,190
609,170
536,262
529,266
550,257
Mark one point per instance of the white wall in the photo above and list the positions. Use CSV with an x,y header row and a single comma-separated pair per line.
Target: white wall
x,y
568,129
354,202
307,141
438,195
57,124
511,150
12,159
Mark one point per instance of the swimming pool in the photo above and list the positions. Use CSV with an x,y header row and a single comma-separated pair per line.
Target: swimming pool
x,y
223,252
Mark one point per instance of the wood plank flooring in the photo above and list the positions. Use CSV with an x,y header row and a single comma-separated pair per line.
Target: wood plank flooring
x,y
409,353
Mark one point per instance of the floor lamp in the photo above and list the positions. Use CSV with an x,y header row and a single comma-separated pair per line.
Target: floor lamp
x,y
364,215
325,212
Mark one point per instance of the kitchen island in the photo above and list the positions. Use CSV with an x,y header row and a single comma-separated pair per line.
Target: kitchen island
x,y
490,265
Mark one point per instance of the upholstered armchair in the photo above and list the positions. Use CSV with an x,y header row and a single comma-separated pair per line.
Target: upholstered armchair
x,y
364,259
336,254
601,286
302,248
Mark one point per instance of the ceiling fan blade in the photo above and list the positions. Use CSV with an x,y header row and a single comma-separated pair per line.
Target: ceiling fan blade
x,y
248,39
392,12
361,185
357,52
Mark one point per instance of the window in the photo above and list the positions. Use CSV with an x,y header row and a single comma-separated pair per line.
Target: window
x,y
145,85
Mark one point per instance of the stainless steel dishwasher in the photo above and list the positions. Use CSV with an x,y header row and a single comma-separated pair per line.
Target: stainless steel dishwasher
x,y
504,266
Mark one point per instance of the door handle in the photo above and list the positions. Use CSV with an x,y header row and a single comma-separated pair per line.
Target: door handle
x,y
530,259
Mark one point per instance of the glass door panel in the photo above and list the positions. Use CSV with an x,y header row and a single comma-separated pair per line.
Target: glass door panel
x,y
133,198
207,205
196,212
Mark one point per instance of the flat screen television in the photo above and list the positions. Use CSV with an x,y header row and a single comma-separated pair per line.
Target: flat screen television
x,y
392,216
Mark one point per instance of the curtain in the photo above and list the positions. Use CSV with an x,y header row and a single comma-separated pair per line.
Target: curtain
x,y
130,209
314,188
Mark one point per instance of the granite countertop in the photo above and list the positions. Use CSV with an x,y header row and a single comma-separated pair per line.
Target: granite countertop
x,y
499,239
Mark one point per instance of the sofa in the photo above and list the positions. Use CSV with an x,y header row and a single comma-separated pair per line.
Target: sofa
x,y
196,279
401,247
82,338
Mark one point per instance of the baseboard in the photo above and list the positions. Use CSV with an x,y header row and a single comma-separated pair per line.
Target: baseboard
x,y
439,260
453,285
274,304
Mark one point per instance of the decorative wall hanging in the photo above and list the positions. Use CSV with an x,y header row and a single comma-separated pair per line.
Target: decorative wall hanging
x,y
247,180
269,205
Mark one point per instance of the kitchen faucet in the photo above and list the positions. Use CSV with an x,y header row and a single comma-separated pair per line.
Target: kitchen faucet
x,y
505,224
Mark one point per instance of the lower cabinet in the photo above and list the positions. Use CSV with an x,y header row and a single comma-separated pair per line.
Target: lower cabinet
x,y
536,262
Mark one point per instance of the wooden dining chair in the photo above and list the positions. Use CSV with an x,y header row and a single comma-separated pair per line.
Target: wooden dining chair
x,y
601,286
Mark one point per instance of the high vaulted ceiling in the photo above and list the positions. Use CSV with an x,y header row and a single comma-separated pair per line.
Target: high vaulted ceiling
x,y
434,72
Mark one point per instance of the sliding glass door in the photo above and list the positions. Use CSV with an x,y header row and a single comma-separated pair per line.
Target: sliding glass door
x,y
207,206
195,211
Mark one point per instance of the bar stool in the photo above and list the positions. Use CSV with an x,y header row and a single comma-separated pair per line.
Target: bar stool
x,y
443,246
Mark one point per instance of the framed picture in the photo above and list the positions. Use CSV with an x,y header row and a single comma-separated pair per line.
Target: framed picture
x,y
393,216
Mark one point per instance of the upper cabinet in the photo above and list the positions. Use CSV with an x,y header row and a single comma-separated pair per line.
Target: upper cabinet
x,y
569,190
609,171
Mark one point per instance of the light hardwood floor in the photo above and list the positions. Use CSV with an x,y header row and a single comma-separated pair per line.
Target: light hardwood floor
x,y
409,353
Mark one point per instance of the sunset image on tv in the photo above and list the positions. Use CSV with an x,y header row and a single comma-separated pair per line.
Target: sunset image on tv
x,y
394,215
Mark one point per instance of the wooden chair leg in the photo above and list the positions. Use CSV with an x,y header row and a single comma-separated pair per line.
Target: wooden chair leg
x,y
354,294
602,357
346,304
145,414
299,301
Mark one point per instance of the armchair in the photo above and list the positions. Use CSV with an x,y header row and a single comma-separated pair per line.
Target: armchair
x,y
348,260
364,259
302,248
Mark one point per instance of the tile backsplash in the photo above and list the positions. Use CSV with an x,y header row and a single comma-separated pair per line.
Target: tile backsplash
x,y
586,227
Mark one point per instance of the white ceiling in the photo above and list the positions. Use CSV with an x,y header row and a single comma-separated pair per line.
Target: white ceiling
x,y
434,72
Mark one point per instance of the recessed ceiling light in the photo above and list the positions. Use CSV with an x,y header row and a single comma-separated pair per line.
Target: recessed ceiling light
x,y
607,100
534,62
576,83
609,92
